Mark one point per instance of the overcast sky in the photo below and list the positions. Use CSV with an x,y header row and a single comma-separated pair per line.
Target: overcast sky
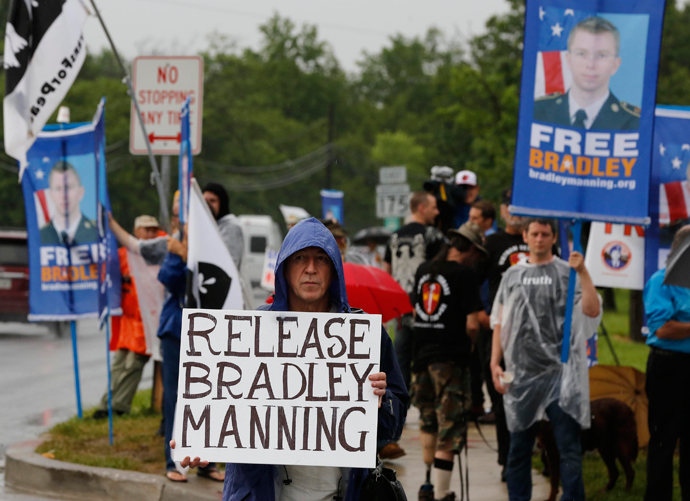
x,y
182,27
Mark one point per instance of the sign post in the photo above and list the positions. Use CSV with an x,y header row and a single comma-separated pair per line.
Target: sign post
x,y
392,194
161,86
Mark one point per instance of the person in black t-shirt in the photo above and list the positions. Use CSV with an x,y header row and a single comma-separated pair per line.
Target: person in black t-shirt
x,y
506,248
407,249
446,302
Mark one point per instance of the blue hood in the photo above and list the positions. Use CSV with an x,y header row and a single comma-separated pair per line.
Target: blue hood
x,y
310,233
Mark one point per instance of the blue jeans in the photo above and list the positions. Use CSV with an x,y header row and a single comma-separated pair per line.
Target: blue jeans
x,y
519,470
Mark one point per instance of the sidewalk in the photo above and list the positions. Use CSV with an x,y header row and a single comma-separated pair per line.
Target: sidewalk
x,y
485,473
32,473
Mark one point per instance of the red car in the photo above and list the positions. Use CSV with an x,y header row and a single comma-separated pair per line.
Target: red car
x,y
14,279
14,276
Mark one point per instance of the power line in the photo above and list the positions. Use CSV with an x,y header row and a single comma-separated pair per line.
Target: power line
x,y
312,156
277,182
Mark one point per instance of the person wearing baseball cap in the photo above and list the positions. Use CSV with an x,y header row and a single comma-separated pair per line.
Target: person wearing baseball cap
x,y
467,180
129,339
446,302
146,227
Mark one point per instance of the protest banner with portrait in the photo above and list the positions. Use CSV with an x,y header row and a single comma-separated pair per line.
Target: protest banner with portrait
x,y
74,269
589,79
267,387
669,192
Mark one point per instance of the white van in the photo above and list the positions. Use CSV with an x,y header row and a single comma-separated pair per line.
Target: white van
x,y
260,233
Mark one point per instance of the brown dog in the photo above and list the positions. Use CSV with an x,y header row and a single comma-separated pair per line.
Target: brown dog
x,y
613,433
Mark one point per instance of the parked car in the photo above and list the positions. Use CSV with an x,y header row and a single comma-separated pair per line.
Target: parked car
x,y
260,233
14,279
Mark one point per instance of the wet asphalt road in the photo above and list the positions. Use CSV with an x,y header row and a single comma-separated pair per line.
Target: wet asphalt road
x,y
37,381
37,377
37,387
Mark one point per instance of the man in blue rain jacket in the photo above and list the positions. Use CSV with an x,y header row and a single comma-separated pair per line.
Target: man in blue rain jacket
x,y
309,277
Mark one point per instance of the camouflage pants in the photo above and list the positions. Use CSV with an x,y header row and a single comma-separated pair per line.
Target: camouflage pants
x,y
442,395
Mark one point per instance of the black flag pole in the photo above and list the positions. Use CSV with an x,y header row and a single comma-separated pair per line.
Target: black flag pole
x,y
165,215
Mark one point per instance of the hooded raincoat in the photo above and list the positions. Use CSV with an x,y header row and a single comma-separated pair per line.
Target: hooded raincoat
x,y
252,482
530,308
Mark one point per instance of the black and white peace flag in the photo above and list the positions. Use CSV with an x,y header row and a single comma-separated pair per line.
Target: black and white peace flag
x,y
213,281
44,51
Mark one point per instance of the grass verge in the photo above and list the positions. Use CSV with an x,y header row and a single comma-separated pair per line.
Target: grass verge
x,y
634,354
135,443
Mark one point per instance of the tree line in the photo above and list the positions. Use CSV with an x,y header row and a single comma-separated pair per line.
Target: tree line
x,y
419,102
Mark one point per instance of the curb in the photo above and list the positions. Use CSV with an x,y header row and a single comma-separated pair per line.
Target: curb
x,y
28,471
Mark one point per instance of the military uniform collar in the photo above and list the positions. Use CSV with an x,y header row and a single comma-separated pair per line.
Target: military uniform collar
x,y
592,110
71,230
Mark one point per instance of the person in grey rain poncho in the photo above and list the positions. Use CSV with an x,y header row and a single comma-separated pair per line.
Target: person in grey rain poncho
x,y
528,317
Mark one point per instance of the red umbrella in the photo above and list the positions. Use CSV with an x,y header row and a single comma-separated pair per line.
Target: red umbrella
x,y
375,291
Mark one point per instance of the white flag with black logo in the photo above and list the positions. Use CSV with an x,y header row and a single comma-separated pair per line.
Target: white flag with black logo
x,y
44,51
213,281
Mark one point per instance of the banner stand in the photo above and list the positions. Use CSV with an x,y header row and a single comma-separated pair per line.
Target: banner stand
x,y
576,230
75,356
164,211
110,389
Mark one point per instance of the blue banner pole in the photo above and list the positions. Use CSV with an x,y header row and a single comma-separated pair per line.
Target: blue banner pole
x,y
576,229
110,391
75,356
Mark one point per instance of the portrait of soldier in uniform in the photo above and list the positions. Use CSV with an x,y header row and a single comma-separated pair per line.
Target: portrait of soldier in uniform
x,y
69,226
593,57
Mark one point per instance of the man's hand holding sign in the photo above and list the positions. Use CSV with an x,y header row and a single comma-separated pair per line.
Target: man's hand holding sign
x,y
307,383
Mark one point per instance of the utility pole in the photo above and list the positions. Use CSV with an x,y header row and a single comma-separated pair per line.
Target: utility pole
x,y
165,175
164,211
331,150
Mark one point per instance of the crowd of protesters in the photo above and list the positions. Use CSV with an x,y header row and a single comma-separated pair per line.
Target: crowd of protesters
x,y
165,258
489,307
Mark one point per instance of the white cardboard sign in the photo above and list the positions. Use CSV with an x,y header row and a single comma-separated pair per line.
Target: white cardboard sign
x,y
161,86
279,388
268,275
615,256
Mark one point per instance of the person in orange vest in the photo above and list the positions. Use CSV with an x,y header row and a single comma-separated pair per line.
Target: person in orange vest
x,y
128,341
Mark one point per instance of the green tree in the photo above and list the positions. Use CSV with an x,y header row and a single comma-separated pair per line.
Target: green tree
x,y
398,148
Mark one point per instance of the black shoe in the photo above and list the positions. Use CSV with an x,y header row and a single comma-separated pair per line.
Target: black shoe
x,y
448,497
426,492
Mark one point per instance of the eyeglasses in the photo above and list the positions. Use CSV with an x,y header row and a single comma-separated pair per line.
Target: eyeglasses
x,y
599,55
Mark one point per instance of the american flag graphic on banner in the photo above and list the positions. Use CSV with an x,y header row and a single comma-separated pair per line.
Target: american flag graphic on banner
x,y
672,160
669,191
45,209
552,73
